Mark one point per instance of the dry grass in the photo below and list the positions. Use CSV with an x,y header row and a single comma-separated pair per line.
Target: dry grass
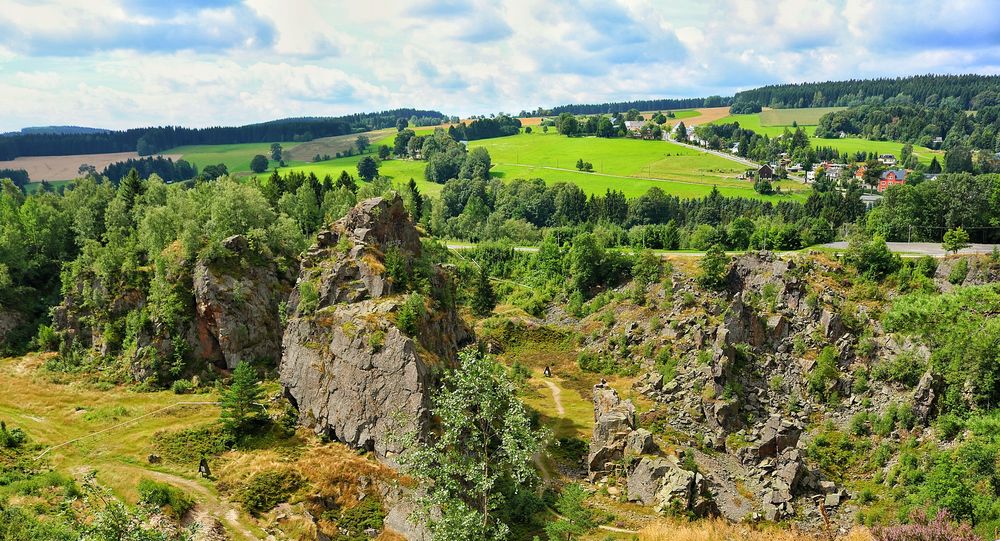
x,y
721,530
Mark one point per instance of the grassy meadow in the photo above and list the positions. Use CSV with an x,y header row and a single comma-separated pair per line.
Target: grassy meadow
x,y
774,122
236,157
629,165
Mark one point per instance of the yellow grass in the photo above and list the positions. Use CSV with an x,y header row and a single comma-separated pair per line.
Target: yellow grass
x,y
721,530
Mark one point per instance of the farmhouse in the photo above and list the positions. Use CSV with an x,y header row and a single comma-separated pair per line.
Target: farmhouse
x,y
765,171
633,125
887,159
892,177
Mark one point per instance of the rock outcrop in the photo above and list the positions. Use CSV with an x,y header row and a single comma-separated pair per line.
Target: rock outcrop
x,y
237,309
615,433
663,484
352,372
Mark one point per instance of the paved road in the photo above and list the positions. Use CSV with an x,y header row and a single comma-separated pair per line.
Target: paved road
x,y
923,248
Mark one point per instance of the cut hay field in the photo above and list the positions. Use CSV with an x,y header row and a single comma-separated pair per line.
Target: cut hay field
x,y
803,117
629,165
304,152
52,168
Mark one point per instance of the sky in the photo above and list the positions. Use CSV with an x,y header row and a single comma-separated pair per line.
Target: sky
x,y
128,63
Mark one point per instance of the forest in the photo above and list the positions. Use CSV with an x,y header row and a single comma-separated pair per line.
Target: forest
x,y
964,91
151,140
622,106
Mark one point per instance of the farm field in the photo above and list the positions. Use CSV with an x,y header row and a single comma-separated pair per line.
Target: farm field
x,y
803,117
304,152
617,162
52,168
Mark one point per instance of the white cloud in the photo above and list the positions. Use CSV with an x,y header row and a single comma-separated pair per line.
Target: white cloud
x,y
120,63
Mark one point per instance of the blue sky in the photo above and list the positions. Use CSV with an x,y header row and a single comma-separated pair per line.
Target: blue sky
x,y
125,63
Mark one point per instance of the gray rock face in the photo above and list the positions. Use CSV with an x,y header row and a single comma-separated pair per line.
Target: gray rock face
x,y
614,419
351,372
237,310
666,486
776,436
923,397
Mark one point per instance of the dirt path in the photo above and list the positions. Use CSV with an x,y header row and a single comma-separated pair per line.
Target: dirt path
x,y
556,397
208,502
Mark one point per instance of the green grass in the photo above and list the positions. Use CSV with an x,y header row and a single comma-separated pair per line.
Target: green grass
x,y
236,157
551,157
769,123
803,117
684,113
34,187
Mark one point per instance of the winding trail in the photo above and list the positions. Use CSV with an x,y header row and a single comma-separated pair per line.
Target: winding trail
x,y
208,502
556,397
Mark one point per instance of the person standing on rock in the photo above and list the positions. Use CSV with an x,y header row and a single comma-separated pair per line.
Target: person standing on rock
x,y
203,468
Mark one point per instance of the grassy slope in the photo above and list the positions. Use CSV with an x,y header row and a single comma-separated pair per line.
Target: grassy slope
x,y
53,411
762,123
236,157
804,117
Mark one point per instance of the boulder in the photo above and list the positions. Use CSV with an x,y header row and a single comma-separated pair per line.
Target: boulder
x,y
776,436
640,442
831,325
351,372
663,484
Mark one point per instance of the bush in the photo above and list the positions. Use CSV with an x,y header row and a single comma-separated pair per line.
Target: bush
x,y
265,490
941,528
959,271
410,314
182,386
189,445
166,497
904,369
308,298
948,426
825,373
367,514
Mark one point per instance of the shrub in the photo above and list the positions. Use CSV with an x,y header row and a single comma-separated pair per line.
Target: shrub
x,y
189,445
410,314
166,497
367,514
264,490
308,298
182,386
825,373
959,271
940,528
948,426
904,369
376,339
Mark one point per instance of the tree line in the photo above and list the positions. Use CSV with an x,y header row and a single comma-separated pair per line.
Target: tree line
x,y
485,128
964,91
165,168
622,106
151,140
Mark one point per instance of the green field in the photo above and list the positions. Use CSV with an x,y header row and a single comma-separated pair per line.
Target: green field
x,y
770,123
617,162
236,157
802,117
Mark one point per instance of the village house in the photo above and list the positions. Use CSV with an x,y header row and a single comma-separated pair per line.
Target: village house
x,y
870,200
859,173
887,159
892,177
633,125
765,171
834,170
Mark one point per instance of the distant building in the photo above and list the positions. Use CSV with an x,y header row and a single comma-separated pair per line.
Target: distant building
x,y
810,176
765,171
870,200
892,177
633,125
887,159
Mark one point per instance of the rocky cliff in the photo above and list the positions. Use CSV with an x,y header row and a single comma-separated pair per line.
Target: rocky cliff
x,y
356,373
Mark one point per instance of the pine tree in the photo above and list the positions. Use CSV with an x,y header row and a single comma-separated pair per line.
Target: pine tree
x,y
240,409
484,300
576,519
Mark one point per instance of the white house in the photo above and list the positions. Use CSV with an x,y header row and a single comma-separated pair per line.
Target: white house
x,y
887,159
